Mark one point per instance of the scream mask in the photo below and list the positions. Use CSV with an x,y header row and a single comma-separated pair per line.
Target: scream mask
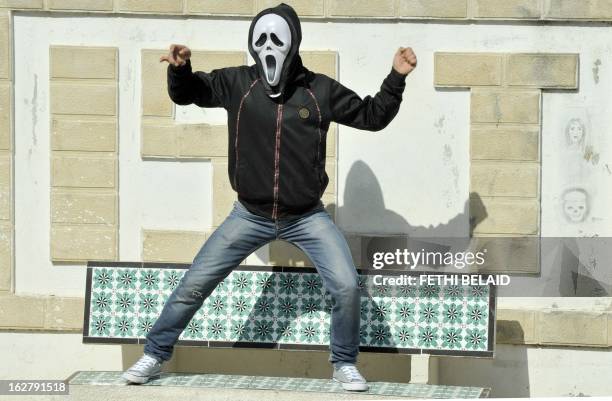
x,y
271,42
274,40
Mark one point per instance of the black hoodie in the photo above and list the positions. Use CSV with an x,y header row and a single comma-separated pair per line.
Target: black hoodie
x,y
276,158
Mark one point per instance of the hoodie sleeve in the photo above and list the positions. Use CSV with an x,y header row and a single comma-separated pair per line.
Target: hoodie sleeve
x,y
205,89
370,113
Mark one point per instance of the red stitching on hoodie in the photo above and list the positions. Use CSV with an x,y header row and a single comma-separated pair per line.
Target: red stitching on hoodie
x,y
238,127
318,126
279,116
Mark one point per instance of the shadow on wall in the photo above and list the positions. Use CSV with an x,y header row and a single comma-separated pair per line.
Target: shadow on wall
x,y
506,374
363,200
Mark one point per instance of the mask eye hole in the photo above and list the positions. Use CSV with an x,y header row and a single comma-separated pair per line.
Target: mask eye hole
x,y
261,40
276,40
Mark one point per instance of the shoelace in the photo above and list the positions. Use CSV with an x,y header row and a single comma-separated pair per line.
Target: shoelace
x,y
352,373
146,362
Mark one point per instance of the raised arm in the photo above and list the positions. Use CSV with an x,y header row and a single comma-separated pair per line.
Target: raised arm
x,y
373,113
205,89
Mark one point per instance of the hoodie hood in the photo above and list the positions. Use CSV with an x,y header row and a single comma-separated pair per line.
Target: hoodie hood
x,y
292,65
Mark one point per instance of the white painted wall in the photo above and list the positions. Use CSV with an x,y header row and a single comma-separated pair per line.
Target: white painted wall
x,y
425,186
53,355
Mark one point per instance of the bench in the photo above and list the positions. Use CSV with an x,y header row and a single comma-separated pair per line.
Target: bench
x,y
288,308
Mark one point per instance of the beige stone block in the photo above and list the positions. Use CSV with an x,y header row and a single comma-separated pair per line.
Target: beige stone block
x,y
330,169
507,9
494,142
83,171
5,169
159,138
70,97
83,62
5,47
6,255
515,326
83,242
304,8
5,116
5,202
331,140
496,178
243,7
155,98
6,197
22,312
609,318
90,5
64,313
83,207
17,4
505,106
361,8
171,246
83,134
152,6
223,195
207,60
543,70
323,62
508,254
283,253
467,69
505,216
563,327
578,9
433,8
330,203
202,140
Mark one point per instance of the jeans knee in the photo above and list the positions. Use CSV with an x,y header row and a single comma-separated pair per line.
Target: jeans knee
x,y
348,288
189,293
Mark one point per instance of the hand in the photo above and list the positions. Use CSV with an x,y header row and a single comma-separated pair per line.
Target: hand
x,y
404,61
177,56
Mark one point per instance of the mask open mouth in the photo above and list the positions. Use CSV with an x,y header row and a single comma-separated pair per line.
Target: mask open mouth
x,y
271,67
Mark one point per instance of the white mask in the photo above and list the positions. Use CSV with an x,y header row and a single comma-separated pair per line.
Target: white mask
x,y
272,41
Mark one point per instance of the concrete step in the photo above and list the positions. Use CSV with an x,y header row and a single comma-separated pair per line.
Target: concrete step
x,y
108,385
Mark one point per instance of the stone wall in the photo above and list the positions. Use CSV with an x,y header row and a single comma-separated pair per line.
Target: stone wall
x,y
505,122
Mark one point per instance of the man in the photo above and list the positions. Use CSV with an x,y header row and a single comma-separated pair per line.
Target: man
x,y
278,116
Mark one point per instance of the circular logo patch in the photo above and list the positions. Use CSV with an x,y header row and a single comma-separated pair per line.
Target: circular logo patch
x,y
304,113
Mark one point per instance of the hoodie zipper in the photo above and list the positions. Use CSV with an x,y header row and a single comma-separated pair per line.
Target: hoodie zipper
x,y
237,131
279,116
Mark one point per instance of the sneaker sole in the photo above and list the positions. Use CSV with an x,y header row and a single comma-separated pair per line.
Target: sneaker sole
x,y
139,379
352,386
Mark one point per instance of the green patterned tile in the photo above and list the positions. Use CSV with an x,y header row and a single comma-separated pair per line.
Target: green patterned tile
x,y
290,308
280,383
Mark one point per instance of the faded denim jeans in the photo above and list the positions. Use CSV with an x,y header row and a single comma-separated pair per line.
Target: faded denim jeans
x,y
241,233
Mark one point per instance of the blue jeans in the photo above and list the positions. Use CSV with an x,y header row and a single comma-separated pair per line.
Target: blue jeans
x,y
241,233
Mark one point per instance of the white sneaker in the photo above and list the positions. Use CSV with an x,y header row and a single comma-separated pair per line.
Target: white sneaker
x,y
350,378
146,368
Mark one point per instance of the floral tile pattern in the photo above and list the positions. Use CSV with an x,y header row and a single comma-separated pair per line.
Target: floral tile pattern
x,y
281,383
285,309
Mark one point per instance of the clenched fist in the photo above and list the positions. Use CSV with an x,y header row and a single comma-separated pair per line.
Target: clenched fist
x,y
177,56
405,60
